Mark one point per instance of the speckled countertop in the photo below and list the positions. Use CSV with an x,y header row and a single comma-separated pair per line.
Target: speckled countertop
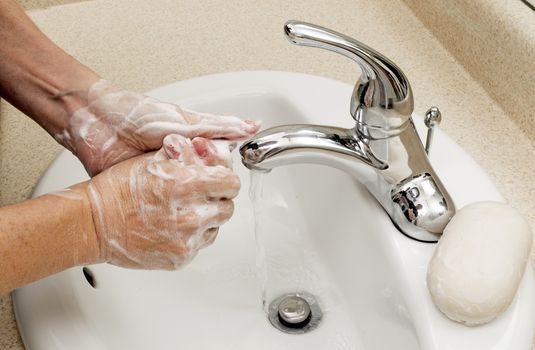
x,y
140,45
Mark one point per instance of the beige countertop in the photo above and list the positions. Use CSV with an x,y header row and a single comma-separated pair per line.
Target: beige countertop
x,y
140,45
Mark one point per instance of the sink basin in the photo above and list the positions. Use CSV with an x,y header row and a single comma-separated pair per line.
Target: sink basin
x,y
329,237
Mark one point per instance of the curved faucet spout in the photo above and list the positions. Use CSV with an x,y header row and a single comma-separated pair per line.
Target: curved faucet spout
x,y
291,144
404,183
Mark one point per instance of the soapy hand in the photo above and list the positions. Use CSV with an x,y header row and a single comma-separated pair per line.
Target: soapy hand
x,y
117,125
155,211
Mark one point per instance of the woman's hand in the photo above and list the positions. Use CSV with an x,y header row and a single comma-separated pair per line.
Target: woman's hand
x,y
155,211
117,125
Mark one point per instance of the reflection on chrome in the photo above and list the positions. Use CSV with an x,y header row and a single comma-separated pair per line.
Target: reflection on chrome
x,y
383,150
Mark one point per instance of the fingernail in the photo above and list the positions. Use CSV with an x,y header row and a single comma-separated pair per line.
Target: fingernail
x,y
171,151
254,125
200,146
173,145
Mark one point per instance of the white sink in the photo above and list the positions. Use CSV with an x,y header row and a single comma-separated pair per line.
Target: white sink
x,y
335,242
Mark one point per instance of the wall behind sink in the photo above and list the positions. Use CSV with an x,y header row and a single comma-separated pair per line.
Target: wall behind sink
x,y
495,41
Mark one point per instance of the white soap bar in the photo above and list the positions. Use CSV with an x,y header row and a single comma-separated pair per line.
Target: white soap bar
x,y
479,262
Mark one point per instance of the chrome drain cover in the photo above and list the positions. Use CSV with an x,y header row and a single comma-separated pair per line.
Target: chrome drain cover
x,y
295,313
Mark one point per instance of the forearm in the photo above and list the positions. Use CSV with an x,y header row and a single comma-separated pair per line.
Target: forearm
x,y
44,236
35,72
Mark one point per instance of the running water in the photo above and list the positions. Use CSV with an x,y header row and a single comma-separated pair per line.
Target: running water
x,y
255,193
287,261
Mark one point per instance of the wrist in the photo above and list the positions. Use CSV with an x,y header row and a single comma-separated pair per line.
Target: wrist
x,y
71,88
90,242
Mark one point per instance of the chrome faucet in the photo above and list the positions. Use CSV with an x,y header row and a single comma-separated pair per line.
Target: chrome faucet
x,y
383,151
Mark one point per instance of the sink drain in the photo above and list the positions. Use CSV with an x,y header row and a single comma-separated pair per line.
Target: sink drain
x,y
295,313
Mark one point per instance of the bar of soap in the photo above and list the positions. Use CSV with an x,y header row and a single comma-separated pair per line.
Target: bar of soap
x,y
479,262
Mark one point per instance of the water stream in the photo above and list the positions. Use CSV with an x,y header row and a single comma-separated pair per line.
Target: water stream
x,y
255,193
287,261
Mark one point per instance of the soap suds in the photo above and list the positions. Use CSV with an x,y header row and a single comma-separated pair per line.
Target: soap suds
x,y
174,209
169,203
117,125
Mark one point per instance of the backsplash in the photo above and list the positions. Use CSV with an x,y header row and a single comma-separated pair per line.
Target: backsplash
x,y
495,41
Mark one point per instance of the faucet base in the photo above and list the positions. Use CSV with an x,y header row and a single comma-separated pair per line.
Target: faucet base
x,y
420,209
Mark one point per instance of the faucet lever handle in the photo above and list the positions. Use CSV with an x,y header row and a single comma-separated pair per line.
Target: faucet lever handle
x,y
382,84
